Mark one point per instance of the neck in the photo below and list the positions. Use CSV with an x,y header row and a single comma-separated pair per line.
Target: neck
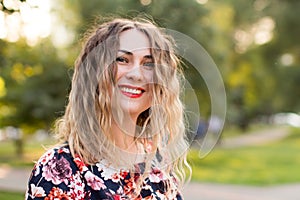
x,y
123,135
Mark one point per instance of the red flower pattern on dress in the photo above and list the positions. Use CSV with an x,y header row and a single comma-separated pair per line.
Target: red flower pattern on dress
x,y
57,171
57,194
80,164
37,191
123,174
59,175
130,188
77,188
95,182
46,157
63,150
117,197
156,175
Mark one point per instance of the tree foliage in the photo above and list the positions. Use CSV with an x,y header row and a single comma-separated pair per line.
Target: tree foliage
x,y
254,43
36,83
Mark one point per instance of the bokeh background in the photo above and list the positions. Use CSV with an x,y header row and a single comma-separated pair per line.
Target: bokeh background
x,y
254,43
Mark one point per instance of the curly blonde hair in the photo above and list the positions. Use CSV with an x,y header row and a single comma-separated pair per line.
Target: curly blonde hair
x,y
88,115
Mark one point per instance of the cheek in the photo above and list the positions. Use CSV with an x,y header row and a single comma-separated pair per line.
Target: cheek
x,y
149,76
108,81
149,80
119,73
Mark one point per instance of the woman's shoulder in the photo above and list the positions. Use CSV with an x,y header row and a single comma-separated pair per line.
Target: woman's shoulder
x,y
57,152
55,173
56,164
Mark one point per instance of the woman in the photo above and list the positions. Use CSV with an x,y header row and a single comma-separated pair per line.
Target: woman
x,y
122,135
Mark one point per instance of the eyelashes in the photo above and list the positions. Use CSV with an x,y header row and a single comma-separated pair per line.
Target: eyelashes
x,y
147,62
122,60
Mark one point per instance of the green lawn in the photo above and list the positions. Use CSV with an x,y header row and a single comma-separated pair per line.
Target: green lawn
x,y
32,151
11,196
274,163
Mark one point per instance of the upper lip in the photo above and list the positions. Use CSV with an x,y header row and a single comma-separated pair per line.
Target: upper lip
x,y
132,87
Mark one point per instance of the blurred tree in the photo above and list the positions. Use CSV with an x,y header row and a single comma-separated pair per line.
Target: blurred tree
x,y
282,55
287,93
265,31
36,82
255,44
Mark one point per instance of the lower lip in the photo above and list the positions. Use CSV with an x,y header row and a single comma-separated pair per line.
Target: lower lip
x,y
131,95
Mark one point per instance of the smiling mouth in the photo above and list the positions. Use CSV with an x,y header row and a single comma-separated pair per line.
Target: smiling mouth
x,y
132,92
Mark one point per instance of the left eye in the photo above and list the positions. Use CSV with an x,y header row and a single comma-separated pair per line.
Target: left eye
x,y
149,64
121,60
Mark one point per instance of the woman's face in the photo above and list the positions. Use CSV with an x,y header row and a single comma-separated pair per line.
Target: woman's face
x,y
135,68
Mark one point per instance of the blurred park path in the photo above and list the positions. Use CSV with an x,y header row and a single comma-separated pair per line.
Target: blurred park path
x,y
14,179
256,138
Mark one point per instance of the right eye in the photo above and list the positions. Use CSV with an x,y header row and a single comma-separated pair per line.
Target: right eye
x,y
122,60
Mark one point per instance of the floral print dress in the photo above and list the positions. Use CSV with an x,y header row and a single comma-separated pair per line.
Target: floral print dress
x,y
58,175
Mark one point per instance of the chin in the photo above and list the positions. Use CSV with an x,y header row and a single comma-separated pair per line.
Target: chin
x,y
133,109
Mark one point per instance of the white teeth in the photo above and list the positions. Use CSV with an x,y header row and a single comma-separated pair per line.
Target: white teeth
x,y
131,90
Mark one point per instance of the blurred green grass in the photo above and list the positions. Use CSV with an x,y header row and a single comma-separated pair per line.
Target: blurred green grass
x,y
233,131
11,195
275,163
32,151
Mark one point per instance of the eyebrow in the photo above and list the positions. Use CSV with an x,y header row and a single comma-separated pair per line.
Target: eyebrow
x,y
126,52
130,53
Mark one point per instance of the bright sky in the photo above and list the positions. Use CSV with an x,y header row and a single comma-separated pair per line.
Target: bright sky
x,y
32,22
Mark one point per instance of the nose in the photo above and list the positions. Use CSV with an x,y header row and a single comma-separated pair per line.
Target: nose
x,y
135,73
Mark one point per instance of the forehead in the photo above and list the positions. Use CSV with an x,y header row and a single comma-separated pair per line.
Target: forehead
x,y
133,40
